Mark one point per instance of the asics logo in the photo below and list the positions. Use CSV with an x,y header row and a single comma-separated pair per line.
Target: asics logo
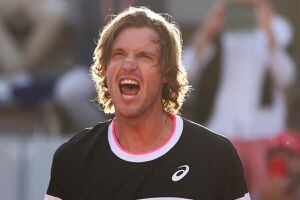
x,y
179,174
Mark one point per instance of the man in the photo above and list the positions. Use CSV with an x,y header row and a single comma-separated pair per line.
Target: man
x,y
146,151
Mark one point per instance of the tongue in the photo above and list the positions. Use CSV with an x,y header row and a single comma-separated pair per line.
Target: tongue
x,y
127,90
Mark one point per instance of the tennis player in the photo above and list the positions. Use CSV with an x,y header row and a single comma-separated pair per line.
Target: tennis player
x,y
147,151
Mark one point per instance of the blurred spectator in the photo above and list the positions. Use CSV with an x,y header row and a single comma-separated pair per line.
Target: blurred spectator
x,y
283,161
29,30
253,71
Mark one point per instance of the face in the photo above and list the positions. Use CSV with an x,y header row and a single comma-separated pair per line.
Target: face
x,y
133,73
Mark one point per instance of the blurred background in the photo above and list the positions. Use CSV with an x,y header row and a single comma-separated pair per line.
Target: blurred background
x,y
243,60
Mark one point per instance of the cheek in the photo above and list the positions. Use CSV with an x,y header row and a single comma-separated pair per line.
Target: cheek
x,y
155,80
110,74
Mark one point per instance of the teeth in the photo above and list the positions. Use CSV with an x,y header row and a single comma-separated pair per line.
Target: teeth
x,y
129,81
128,97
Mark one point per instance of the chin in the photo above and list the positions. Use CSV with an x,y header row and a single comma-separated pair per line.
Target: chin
x,y
128,112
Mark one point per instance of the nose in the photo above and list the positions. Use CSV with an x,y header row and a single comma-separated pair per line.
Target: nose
x,y
130,64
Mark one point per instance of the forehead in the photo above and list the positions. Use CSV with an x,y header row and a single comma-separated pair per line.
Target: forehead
x,y
135,39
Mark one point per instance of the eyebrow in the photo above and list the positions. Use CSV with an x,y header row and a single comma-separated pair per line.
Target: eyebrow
x,y
117,49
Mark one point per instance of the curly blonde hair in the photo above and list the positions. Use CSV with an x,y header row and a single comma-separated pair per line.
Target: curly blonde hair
x,y
170,41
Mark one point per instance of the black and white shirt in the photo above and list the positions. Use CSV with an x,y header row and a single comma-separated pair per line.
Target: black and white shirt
x,y
193,163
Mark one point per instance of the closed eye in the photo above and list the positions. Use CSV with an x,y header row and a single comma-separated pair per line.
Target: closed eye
x,y
118,53
146,55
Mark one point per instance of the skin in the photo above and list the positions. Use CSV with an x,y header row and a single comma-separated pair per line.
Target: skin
x,y
135,56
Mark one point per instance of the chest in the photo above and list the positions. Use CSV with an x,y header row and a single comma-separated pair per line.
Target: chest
x,y
169,176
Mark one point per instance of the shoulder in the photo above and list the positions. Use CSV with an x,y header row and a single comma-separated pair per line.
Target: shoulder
x,y
81,142
70,156
209,145
220,156
204,137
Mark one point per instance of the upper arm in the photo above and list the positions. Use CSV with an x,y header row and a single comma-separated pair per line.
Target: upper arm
x,y
233,182
55,189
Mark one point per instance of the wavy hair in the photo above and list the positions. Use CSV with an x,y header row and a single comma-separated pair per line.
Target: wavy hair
x,y
170,41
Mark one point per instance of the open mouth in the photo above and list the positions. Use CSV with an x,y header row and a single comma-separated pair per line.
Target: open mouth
x,y
129,88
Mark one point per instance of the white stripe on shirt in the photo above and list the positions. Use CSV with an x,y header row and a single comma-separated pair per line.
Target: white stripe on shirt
x,y
49,197
245,197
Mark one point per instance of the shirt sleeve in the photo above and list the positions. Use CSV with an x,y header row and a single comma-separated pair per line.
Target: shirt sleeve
x,y
245,197
55,188
233,182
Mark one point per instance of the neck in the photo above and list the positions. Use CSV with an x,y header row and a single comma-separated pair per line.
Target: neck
x,y
143,133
